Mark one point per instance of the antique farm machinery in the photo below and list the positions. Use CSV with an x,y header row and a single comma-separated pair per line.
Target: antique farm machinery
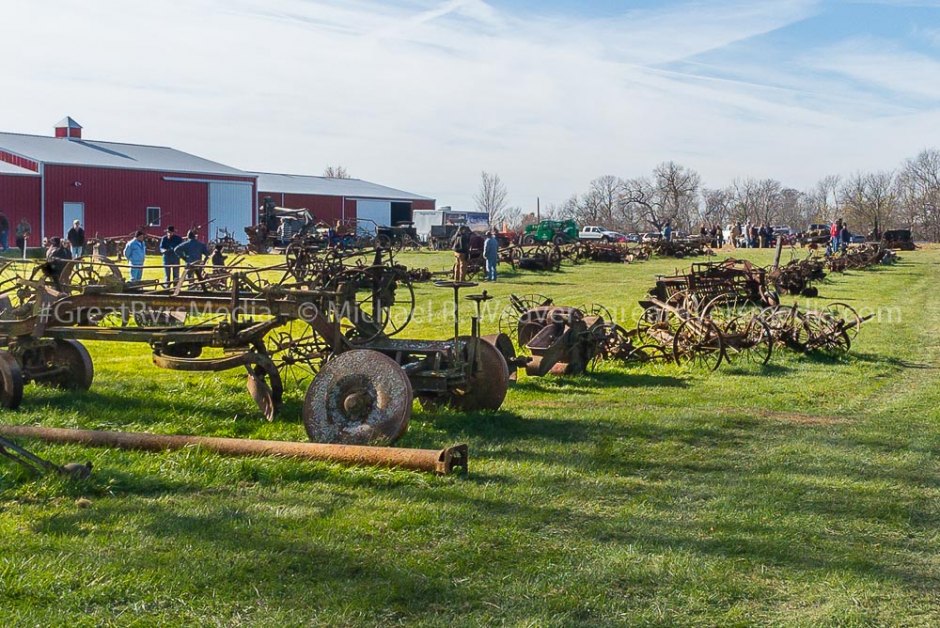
x,y
336,325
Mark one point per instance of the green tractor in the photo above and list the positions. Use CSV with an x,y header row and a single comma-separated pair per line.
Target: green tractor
x,y
557,231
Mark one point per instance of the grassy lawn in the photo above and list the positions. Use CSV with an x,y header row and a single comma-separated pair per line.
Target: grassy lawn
x,y
805,493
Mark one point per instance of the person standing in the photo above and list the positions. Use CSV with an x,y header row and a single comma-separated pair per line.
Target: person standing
x,y
4,231
667,232
56,257
193,253
171,261
491,255
835,230
76,238
23,231
135,251
461,247
736,234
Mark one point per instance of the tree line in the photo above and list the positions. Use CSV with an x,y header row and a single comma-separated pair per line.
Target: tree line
x,y
908,197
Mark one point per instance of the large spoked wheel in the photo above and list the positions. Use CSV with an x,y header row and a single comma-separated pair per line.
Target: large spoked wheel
x,y
486,385
91,272
11,381
297,351
846,313
519,305
375,300
656,326
788,328
749,338
698,342
360,397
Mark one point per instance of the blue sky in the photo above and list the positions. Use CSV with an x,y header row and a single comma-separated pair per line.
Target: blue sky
x,y
424,94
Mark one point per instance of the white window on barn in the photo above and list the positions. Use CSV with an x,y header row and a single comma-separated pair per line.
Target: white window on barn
x,y
153,216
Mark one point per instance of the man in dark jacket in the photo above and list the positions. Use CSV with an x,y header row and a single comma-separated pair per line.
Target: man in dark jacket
x,y
461,247
193,253
171,261
76,238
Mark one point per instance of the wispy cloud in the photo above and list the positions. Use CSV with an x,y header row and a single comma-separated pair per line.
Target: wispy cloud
x,y
423,95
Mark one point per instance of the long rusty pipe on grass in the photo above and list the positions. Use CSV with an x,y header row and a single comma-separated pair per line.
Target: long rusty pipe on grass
x,y
442,461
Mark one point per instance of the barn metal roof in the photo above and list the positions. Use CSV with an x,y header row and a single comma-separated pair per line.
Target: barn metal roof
x,y
76,152
6,168
325,186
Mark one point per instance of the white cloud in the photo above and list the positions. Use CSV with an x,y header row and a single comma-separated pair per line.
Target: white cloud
x,y
424,95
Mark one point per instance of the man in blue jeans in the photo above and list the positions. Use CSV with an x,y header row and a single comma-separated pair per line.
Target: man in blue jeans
x,y
491,255
135,251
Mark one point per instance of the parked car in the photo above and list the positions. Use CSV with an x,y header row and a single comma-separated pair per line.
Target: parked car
x,y
600,233
857,239
632,237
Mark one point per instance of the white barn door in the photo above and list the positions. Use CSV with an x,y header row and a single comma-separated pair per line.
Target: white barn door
x,y
379,212
230,209
70,213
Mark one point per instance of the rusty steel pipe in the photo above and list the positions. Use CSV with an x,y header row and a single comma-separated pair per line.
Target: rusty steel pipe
x,y
441,461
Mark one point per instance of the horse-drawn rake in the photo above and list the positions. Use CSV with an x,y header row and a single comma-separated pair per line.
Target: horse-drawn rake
x,y
702,336
334,328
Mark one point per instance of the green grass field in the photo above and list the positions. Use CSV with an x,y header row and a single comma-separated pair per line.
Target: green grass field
x,y
802,493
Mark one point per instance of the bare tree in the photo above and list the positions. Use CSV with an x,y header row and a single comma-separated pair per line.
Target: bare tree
x,y
491,197
869,199
919,193
717,205
336,172
599,205
670,195
823,200
758,201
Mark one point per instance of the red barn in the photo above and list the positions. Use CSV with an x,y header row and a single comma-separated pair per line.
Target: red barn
x,y
331,199
116,188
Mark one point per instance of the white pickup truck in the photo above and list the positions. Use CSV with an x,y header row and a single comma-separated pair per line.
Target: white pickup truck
x,y
599,233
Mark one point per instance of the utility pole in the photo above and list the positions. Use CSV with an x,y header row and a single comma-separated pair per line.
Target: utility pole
x,y
538,209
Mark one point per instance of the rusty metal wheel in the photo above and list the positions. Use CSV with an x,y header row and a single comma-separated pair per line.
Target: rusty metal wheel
x,y
848,314
749,338
297,351
11,381
698,342
70,364
360,397
485,388
519,305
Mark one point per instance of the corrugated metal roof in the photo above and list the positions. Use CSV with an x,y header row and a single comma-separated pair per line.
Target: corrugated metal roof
x,y
6,168
75,152
325,186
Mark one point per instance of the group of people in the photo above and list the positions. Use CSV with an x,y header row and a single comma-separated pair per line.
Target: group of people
x,y
467,244
751,236
714,234
175,250
839,237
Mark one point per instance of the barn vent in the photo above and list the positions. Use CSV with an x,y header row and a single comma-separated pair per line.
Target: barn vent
x,y
69,129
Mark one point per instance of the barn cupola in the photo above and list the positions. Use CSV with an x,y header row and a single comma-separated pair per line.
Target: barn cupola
x,y
69,129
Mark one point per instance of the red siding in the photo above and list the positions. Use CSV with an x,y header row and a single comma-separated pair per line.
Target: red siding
x,y
429,204
350,207
16,160
116,201
20,198
67,132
